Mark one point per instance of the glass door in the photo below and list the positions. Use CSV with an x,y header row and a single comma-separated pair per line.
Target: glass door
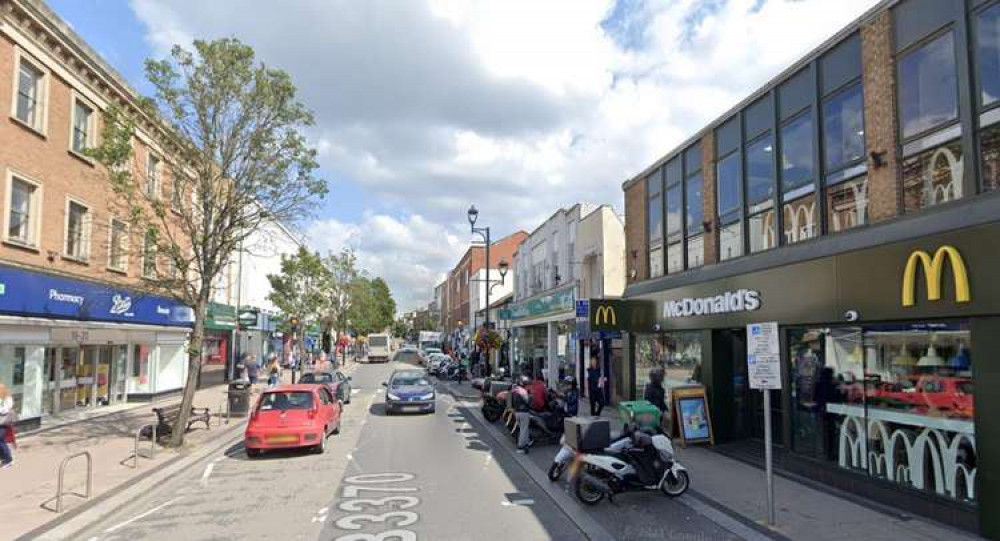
x,y
50,382
69,357
86,382
104,361
118,374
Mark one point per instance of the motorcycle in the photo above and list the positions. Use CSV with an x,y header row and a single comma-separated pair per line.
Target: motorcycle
x,y
645,462
565,456
495,404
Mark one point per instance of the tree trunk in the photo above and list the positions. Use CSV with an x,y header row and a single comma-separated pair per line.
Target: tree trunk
x,y
194,365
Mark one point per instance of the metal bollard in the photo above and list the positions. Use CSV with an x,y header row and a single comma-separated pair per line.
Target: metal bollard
x,y
62,471
152,445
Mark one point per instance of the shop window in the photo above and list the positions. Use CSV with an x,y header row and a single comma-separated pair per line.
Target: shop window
x,y
140,374
988,54
843,129
933,177
677,354
675,257
797,153
928,86
800,220
730,240
847,204
990,141
762,231
895,402
656,262
22,371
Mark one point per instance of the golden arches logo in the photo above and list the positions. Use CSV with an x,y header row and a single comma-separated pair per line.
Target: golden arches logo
x,y
933,274
604,314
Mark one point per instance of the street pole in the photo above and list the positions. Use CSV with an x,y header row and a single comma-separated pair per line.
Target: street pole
x,y
768,457
487,324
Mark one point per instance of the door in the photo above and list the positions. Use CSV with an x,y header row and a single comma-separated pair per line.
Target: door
x,y
50,382
749,403
119,368
69,358
105,355
86,382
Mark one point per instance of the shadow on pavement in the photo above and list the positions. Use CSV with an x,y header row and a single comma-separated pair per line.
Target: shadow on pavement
x,y
238,452
378,409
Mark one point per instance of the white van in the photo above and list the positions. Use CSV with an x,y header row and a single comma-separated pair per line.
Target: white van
x,y
378,348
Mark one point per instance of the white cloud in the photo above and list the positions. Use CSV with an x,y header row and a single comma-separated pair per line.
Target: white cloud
x,y
519,106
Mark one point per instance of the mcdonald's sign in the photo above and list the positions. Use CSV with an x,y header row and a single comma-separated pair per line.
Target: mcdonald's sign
x,y
605,315
933,268
608,315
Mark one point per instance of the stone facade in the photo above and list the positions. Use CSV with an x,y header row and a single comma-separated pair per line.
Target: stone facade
x,y
879,80
636,246
708,200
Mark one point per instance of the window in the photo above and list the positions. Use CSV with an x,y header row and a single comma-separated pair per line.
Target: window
x,y
933,177
177,194
928,86
675,257
83,126
877,389
694,214
800,219
760,194
677,354
149,255
118,245
847,204
23,214
695,251
988,54
762,231
843,129
29,105
674,205
797,153
656,261
77,230
730,228
655,235
152,177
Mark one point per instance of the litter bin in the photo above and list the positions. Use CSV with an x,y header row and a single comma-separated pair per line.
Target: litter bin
x,y
239,398
641,412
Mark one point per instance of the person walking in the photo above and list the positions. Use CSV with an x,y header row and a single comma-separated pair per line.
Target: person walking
x,y
595,388
7,419
252,368
273,371
521,401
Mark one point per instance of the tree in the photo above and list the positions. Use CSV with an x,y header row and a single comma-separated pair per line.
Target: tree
x,y
400,330
237,160
385,306
343,271
299,291
372,307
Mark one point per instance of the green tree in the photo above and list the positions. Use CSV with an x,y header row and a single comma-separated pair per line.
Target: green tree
x,y
343,269
372,306
233,145
299,291
400,329
385,305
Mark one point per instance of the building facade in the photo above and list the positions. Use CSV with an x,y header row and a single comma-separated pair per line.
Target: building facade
x,y
852,200
76,329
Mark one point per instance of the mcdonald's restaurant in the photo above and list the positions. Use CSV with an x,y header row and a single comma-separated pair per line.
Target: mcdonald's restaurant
x,y
888,357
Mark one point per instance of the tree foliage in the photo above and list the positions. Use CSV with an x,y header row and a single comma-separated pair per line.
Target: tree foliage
x,y
343,271
237,159
299,289
372,306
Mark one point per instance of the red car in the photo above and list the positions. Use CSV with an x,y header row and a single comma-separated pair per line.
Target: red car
x,y
290,416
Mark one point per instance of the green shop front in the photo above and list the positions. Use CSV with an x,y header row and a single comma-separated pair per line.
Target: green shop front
x,y
889,367
216,356
543,334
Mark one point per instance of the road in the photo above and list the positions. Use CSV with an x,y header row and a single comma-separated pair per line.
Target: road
x,y
419,476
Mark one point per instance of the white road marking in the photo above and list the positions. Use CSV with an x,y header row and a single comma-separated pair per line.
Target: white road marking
x,y
140,516
526,501
207,474
355,391
324,510
350,456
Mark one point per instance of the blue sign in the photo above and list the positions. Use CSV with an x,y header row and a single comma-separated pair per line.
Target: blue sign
x,y
27,293
583,309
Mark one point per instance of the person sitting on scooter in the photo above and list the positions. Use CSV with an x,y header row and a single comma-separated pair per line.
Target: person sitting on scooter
x,y
571,397
521,401
539,393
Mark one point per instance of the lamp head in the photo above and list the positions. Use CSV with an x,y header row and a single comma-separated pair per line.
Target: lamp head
x,y
473,215
504,267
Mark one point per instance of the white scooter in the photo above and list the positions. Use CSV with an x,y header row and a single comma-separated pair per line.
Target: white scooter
x,y
564,457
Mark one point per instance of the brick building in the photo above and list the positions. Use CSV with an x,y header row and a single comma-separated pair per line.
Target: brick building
x,y
75,328
852,200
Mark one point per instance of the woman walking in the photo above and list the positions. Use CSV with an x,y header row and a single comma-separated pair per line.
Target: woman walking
x,y
7,419
274,370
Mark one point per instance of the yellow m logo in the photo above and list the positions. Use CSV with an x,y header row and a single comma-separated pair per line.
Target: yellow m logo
x,y
604,314
933,274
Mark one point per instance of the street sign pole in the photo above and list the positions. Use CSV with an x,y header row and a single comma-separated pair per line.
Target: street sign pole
x,y
764,373
768,458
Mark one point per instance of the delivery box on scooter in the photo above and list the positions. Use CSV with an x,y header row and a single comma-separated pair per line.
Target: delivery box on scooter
x,y
586,434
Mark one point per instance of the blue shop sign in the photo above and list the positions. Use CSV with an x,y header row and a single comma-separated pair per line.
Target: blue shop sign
x,y
27,293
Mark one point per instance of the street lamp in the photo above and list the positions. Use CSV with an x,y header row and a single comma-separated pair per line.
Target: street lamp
x,y
473,215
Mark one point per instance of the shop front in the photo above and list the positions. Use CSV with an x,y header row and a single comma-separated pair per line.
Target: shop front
x,y
883,352
220,323
67,344
543,335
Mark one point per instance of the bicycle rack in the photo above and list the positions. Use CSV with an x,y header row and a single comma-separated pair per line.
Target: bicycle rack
x,y
152,445
62,471
224,402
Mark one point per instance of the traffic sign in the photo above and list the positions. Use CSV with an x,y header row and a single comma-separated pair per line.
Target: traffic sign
x,y
763,356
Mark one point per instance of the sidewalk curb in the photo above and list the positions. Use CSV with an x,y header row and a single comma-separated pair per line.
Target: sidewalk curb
x,y
73,522
592,529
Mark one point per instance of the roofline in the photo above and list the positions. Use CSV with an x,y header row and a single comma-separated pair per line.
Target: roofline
x,y
802,62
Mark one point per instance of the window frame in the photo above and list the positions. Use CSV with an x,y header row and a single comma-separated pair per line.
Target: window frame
x,y
927,133
92,132
149,251
40,123
35,212
974,23
157,185
111,244
790,194
849,169
85,233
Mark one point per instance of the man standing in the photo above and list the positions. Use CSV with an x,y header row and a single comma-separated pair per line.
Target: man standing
x,y
595,388
252,367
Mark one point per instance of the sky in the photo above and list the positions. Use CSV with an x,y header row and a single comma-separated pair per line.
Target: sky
x,y
424,107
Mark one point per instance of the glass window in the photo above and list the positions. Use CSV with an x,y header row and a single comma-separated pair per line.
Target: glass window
x,y
762,231
654,184
82,126
990,141
29,95
655,220
758,117
675,257
152,177
149,255
676,354
933,177
696,251
731,241
797,153
988,54
843,128
20,226
674,211
841,64
796,93
695,211
729,184
868,398
928,86
847,204
760,171
800,220
177,194
692,159
283,401
656,262
76,234
117,258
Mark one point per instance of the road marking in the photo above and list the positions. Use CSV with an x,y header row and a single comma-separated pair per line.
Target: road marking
x,y
205,476
524,501
140,516
350,456
324,510
355,391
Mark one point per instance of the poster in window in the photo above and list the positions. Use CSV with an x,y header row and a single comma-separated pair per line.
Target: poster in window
x,y
691,415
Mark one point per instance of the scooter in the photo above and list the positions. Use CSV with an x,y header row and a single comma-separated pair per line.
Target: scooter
x,y
646,462
565,456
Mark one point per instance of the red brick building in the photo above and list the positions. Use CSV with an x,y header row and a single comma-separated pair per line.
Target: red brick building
x,y
458,282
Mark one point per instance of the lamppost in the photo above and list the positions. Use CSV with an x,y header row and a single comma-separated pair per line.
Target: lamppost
x,y
490,284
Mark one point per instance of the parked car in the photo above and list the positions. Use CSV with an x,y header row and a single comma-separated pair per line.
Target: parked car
x,y
409,391
337,382
407,356
290,416
435,361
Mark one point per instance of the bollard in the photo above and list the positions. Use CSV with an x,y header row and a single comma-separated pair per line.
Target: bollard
x,y
62,472
152,445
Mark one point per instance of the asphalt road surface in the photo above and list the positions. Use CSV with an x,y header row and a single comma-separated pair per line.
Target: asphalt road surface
x,y
398,478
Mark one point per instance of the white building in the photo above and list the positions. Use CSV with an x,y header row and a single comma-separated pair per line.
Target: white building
x,y
477,294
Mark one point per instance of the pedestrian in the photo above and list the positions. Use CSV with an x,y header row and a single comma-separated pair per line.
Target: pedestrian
x,y
521,402
656,395
252,368
571,397
7,419
274,370
595,388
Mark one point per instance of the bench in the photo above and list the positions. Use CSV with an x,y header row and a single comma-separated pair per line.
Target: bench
x,y
167,416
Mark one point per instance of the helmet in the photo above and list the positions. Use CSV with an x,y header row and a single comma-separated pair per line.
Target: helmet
x,y
525,380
